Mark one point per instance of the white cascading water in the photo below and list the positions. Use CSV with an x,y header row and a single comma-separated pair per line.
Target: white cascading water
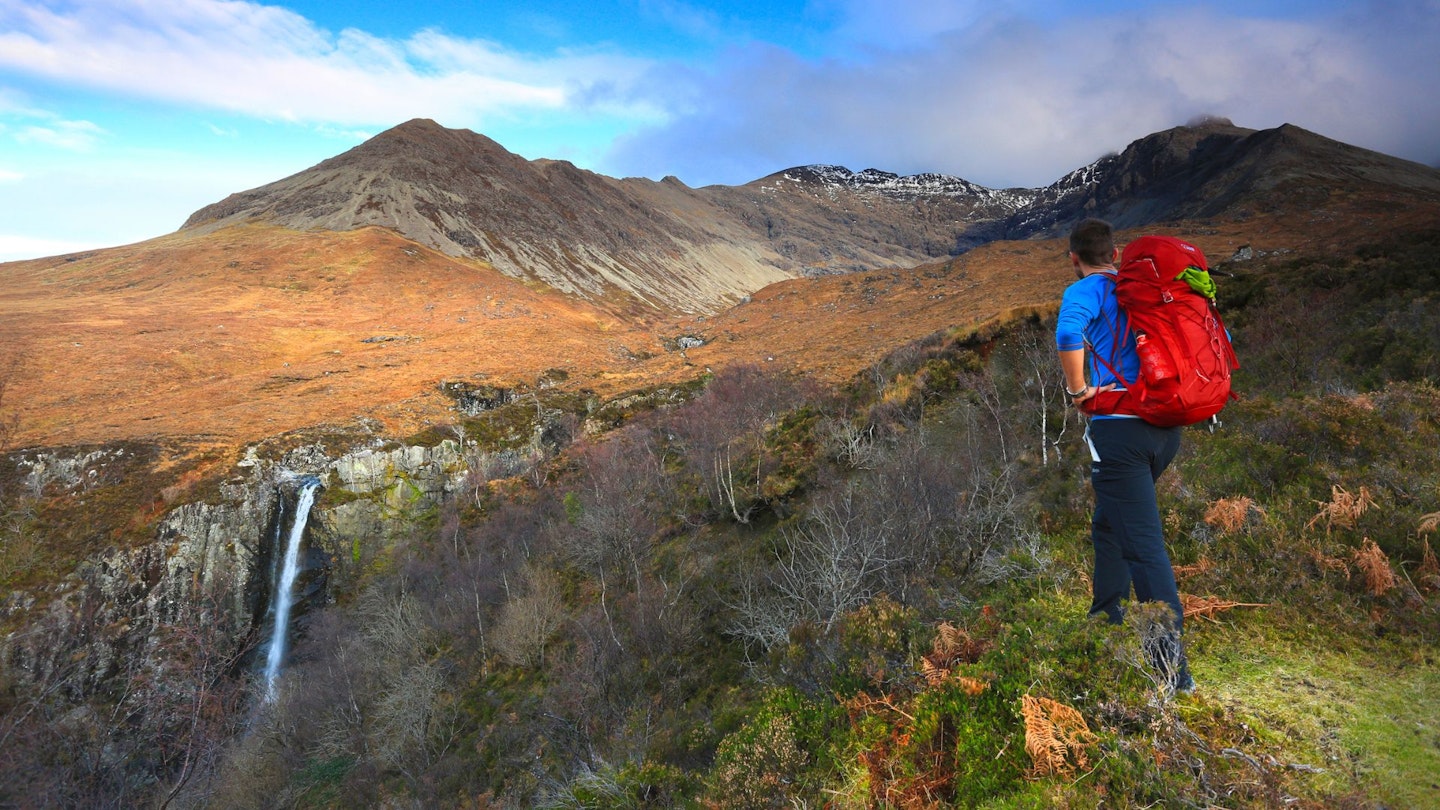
x,y
284,594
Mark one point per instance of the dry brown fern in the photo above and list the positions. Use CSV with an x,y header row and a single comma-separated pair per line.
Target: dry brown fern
x,y
1428,574
1343,508
949,639
1379,578
864,704
1429,523
952,646
934,675
1325,562
1205,607
971,686
1056,737
1229,515
1200,566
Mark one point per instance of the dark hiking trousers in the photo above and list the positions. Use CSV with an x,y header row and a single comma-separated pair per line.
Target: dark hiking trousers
x,y
1129,541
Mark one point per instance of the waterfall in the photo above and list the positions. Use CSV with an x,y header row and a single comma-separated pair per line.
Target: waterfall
x,y
283,596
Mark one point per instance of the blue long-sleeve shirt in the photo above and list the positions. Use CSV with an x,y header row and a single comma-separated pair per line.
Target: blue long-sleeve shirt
x,y
1091,317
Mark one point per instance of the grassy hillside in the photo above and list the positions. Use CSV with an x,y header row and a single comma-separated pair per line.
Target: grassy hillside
x,y
777,595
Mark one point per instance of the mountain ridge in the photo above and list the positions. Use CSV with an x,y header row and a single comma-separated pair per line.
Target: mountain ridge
x,y
669,247
1212,169
662,243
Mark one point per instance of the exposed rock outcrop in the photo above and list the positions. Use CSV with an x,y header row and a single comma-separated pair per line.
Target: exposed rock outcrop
x,y
210,562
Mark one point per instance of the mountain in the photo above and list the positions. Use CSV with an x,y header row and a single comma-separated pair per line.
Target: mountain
x,y
662,244
1214,169
548,221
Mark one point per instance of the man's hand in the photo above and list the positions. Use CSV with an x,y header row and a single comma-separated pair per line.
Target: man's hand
x,y
1088,392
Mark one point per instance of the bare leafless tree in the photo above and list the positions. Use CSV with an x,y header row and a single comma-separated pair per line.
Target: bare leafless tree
x,y
721,434
529,621
836,559
1045,386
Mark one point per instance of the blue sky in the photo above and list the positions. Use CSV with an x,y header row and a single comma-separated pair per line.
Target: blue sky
x,y
118,118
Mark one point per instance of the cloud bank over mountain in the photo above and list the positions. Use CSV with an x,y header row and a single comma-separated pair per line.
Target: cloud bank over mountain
x,y
1015,100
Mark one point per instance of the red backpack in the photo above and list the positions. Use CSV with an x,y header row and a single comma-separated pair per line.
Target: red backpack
x,y
1164,287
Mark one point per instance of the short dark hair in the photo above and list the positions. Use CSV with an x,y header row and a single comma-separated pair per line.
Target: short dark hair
x,y
1093,240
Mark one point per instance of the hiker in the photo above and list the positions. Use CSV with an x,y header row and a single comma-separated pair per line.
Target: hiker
x,y
1127,453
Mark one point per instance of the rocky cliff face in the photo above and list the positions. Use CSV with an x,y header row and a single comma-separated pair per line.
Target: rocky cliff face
x,y
210,563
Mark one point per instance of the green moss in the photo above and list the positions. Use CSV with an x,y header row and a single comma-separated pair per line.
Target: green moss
x,y
793,449
333,440
332,495
432,436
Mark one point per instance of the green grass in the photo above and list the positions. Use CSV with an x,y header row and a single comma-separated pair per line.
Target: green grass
x,y
1365,713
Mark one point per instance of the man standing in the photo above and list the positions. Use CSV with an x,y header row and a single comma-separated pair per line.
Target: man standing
x,y
1128,454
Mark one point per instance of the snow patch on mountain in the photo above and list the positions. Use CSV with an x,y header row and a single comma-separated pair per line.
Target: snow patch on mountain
x,y
911,186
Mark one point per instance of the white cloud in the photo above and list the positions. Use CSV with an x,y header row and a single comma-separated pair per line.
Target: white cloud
x,y
269,62
342,134
1012,100
75,136
7,176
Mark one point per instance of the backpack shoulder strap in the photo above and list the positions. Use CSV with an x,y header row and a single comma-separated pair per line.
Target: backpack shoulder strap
x,y
1117,337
